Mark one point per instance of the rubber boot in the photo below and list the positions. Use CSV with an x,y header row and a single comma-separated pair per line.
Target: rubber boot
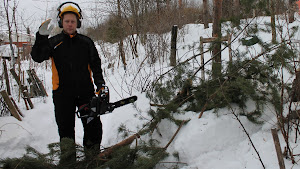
x,y
68,154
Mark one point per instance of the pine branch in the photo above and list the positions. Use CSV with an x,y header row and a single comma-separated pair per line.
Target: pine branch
x,y
225,81
182,96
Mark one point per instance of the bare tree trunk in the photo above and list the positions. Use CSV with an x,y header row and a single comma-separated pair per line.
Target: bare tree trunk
x,y
216,65
202,59
121,52
229,47
273,21
205,13
168,3
236,7
227,8
173,46
134,6
230,8
17,43
106,153
180,4
134,9
236,11
291,11
6,77
6,7
158,8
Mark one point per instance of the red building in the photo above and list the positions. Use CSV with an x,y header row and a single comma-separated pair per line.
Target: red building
x,y
22,41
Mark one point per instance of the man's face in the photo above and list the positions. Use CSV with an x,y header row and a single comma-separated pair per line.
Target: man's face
x,y
69,23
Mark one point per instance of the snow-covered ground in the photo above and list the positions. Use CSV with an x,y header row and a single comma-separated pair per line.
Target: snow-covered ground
x,y
215,141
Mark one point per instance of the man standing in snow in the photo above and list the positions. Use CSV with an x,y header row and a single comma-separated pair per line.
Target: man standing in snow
x,y
74,59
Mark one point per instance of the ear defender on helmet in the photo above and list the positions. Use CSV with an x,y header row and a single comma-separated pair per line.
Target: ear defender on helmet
x,y
71,9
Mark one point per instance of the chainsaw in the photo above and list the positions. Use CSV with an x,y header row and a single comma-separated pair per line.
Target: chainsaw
x,y
100,104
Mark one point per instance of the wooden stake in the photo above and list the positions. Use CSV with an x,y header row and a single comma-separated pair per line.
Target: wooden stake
x,y
10,105
22,88
210,40
278,149
37,82
16,106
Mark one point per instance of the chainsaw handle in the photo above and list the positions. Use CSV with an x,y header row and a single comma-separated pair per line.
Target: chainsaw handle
x,y
80,109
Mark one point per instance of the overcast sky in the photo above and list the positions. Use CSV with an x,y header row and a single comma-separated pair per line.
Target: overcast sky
x,y
31,13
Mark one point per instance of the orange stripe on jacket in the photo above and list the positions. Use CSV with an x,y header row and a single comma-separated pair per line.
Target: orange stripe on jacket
x,y
55,78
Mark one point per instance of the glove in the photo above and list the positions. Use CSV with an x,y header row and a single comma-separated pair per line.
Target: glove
x,y
43,29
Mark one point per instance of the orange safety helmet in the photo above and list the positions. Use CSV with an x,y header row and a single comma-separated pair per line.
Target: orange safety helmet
x,y
69,8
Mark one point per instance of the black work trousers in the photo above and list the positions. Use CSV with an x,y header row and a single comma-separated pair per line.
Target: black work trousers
x,y
65,106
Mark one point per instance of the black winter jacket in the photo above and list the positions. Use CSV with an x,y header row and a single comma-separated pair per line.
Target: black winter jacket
x,y
73,60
